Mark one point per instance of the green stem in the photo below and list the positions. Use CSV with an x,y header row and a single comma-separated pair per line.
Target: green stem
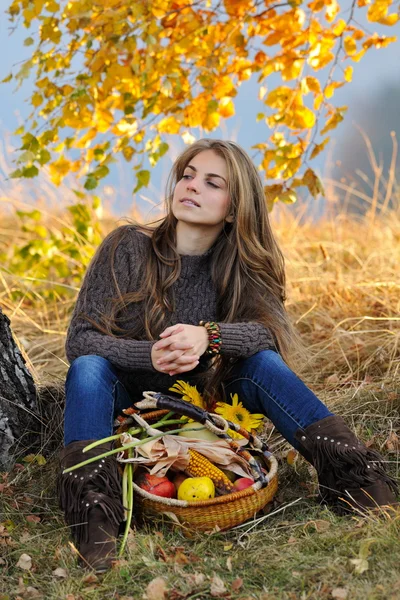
x,y
109,439
167,416
129,502
126,447
125,491
170,422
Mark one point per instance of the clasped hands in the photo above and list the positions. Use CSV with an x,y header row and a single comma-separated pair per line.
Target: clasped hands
x,y
179,348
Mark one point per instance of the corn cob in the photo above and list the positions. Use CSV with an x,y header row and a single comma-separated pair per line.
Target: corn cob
x,y
200,466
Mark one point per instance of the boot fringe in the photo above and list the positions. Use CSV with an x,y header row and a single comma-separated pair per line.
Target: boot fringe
x,y
96,485
343,468
78,520
103,477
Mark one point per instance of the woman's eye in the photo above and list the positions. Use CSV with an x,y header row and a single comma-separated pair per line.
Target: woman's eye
x,y
210,182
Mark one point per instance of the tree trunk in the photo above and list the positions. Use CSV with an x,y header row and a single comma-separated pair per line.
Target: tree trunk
x,y
19,419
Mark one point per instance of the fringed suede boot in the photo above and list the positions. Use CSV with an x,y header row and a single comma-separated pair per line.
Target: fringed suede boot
x,y
91,498
350,475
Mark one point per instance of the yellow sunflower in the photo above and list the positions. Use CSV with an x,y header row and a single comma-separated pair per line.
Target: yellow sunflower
x,y
188,393
237,413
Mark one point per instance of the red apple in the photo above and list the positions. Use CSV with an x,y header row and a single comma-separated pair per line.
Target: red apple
x,y
242,483
159,486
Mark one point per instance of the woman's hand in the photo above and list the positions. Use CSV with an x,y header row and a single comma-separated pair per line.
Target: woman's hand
x,y
179,349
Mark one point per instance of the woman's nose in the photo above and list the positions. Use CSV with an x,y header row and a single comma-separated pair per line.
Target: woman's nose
x,y
192,185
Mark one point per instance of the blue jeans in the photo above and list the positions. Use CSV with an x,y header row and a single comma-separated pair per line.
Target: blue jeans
x,y
263,382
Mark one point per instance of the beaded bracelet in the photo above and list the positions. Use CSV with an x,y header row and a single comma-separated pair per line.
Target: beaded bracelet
x,y
214,337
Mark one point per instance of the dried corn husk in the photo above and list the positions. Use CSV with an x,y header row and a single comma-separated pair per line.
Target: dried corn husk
x,y
173,451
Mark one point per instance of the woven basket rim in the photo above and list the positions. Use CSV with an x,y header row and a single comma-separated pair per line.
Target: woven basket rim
x,y
253,489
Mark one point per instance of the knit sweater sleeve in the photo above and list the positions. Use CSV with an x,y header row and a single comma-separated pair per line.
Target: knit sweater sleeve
x,y
242,340
98,289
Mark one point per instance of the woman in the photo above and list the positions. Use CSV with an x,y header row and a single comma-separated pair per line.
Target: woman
x,y
146,314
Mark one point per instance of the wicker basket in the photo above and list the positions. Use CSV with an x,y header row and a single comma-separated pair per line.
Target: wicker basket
x,y
221,512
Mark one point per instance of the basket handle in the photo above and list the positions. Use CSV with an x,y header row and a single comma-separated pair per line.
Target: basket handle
x,y
213,422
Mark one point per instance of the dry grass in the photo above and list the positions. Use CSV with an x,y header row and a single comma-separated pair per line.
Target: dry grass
x,y
344,298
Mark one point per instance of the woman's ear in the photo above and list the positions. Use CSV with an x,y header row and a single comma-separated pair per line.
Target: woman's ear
x,y
229,218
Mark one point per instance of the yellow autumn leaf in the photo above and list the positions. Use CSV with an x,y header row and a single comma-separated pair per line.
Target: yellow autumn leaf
x,y
211,121
350,45
279,97
169,125
226,108
272,193
322,60
339,28
332,122
313,84
348,73
300,118
318,148
331,87
378,10
332,9
292,70
36,99
288,197
313,183
59,169
224,87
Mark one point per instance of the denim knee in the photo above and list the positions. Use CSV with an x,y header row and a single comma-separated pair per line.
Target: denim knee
x,y
262,360
88,370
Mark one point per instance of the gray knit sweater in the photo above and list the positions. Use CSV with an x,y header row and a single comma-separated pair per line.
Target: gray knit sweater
x,y
195,299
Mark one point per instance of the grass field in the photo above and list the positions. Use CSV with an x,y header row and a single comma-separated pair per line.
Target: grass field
x,y
344,297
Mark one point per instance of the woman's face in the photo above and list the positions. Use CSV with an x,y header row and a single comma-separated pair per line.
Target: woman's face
x,y
201,196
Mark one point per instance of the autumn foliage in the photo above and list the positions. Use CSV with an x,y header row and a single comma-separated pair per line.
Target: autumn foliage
x,y
119,76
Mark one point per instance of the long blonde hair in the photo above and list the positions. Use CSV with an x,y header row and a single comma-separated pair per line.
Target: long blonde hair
x,y
247,266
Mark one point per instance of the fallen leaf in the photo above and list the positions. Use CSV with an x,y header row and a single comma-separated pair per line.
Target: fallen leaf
x,y
392,443
25,537
229,564
339,593
237,584
319,524
332,379
360,565
228,547
198,578
2,561
24,562
60,572
291,457
217,586
90,578
181,559
156,589
32,592
292,540
33,519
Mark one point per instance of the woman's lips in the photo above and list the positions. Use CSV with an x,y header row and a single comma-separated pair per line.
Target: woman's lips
x,y
189,202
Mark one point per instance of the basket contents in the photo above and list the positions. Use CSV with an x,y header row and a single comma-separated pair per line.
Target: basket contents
x,y
159,486
196,488
199,465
